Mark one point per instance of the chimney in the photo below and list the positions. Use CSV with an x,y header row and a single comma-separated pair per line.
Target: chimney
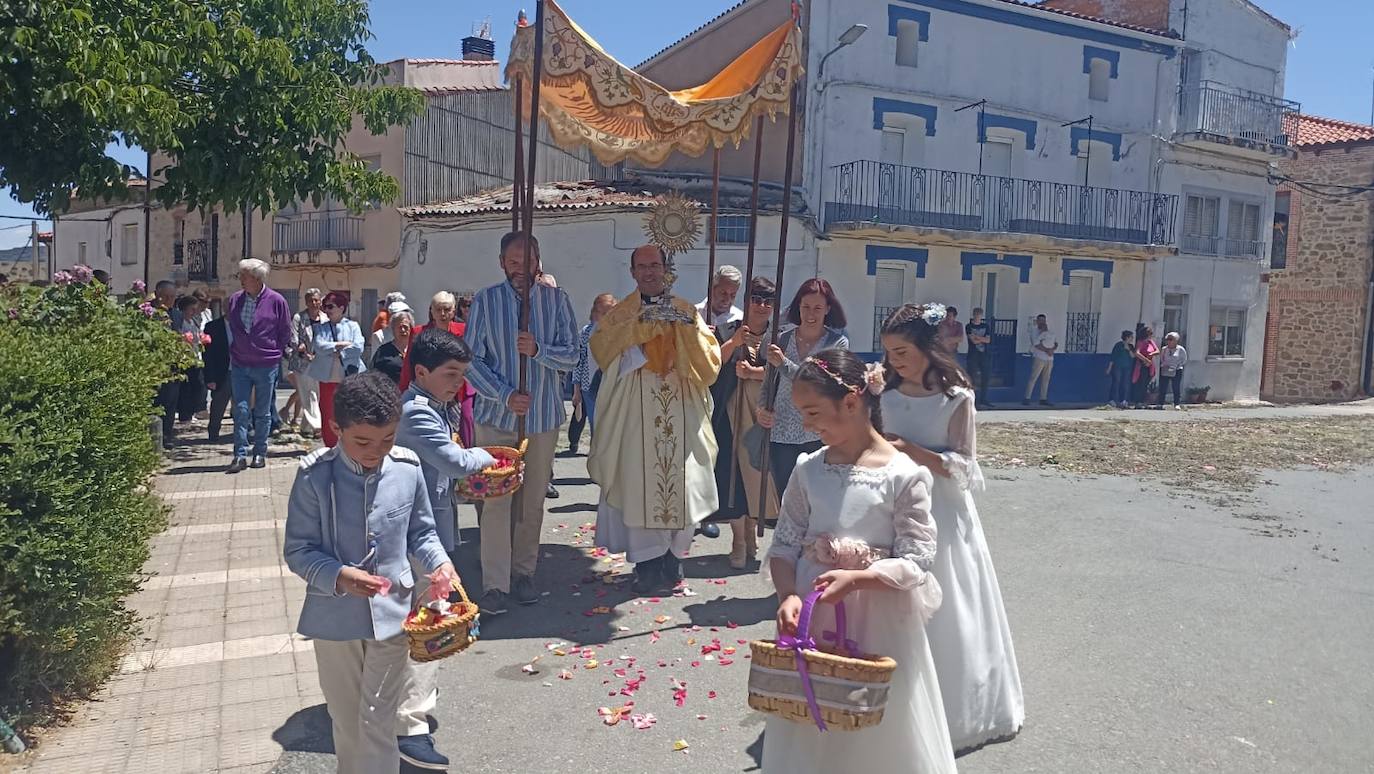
x,y
477,49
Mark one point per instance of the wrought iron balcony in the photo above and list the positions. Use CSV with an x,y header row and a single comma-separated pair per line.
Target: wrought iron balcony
x,y
312,231
1219,113
202,260
894,195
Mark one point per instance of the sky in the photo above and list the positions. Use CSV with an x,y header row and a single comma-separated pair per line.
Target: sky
x,y
1330,61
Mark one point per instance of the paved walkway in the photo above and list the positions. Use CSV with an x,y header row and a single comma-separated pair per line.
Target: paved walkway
x,y
220,681
1009,415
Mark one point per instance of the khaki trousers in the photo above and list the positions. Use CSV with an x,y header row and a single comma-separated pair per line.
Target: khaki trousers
x,y
1040,369
361,682
501,559
419,681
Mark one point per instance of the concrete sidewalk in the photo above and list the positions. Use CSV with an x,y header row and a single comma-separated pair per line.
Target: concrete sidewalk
x,y
1009,415
219,669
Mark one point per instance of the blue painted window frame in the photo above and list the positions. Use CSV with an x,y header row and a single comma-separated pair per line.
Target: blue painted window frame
x,y
1025,126
1070,265
968,260
896,13
883,106
1109,56
1077,134
915,255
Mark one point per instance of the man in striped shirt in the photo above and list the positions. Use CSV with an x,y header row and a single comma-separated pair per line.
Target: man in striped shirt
x,y
493,333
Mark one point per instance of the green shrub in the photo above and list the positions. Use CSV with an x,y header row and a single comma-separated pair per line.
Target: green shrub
x,y
78,372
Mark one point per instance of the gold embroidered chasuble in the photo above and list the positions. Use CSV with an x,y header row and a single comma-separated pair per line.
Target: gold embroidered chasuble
x,y
653,452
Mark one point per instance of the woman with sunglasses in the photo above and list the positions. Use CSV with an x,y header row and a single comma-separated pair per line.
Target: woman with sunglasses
x,y
742,368
337,346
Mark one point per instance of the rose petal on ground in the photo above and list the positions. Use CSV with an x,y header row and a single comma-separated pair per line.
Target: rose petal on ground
x,y
680,745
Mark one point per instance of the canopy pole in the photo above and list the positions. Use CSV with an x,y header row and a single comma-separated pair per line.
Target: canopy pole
x,y
782,261
734,465
518,180
527,204
715,215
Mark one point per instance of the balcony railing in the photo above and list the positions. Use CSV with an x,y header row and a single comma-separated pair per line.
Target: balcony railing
x,y
1202,244
896,195
202,264
1215,109
317,231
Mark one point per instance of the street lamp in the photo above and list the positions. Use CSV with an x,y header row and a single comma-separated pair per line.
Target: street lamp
x,y
847,38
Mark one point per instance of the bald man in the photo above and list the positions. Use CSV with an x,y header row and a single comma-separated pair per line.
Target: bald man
x,y
653,452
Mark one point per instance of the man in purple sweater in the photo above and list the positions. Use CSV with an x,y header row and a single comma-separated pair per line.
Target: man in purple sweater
x,y
259,323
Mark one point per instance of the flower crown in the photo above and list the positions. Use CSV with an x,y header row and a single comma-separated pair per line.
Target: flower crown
x,y
873,377
933,313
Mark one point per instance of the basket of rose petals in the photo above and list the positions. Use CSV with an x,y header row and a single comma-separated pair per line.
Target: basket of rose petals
x,y
498,480
442,626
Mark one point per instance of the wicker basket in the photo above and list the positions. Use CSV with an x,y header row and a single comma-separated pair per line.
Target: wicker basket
x,y
496,482
452,634
834,686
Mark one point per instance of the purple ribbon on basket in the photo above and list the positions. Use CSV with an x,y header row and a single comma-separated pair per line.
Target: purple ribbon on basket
x,y
803,641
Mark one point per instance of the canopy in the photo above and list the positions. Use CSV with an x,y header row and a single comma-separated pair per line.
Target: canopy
x,y
588,98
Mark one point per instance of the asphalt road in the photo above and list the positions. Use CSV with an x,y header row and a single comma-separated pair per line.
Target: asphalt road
x,y
1154,633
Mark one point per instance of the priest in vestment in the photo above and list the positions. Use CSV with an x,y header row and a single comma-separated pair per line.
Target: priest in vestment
x,y
653,453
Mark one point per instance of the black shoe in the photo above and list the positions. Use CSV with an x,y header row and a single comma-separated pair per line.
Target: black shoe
x,y
494,602
1046,403
551,493
523,590
648,577
1025,402
709,529
672,570
214,438
259,461
419,752
237,466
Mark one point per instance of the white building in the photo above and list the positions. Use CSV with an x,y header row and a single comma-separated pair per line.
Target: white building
x,y
1104,163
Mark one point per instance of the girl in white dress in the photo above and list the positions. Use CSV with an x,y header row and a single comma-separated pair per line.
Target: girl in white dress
x,y
856,522
929,408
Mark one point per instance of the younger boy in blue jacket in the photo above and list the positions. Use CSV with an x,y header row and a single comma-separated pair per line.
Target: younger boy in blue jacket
x,y
358,514
429,424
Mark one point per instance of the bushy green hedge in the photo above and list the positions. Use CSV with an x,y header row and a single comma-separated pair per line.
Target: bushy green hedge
x,y
78,372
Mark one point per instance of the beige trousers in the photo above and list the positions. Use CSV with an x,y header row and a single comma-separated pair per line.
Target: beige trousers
x,y
309,392
1040,369
419,681
361,681
501,559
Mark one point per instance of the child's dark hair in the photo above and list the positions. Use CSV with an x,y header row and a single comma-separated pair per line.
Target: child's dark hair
x,y
909,323
436,346
368,398
836,373
1127,335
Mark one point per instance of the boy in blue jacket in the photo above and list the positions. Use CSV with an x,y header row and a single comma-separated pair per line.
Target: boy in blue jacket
x,y
358,514
429,423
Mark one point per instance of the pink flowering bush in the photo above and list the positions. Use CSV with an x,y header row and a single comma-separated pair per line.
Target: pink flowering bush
x,y
78,372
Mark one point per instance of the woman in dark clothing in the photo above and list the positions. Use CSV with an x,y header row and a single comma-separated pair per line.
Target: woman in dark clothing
x,y
391,355
217,373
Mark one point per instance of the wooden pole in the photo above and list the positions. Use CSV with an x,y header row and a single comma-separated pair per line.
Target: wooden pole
x,y
518,179
715,216
748,280
782,261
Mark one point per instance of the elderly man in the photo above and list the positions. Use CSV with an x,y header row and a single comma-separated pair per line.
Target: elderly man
x,y
259,322
654,451
719,310
509,556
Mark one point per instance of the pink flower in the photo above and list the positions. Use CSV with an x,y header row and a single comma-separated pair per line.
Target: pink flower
x,y
82,273
189,337
62,278
139,287
205,339
13,313
843,553
147,309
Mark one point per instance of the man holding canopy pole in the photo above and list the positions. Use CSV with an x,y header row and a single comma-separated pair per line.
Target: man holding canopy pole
x,y
509,554
653,453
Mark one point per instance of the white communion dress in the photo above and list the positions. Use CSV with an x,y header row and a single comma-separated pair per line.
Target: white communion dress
x,y
843,516
970,638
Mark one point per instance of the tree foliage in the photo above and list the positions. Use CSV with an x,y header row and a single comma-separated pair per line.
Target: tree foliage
x,y
250,99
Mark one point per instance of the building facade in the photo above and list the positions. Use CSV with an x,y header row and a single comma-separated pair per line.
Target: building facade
x,y
1321,278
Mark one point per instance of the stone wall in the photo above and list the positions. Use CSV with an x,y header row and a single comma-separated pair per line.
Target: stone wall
x,y
1314,347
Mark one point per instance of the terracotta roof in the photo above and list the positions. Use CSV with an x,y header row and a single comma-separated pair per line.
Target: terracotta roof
x,y
637,191
1316,130
1098,19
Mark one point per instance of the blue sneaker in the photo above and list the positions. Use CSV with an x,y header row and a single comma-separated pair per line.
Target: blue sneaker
x,y
419,752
